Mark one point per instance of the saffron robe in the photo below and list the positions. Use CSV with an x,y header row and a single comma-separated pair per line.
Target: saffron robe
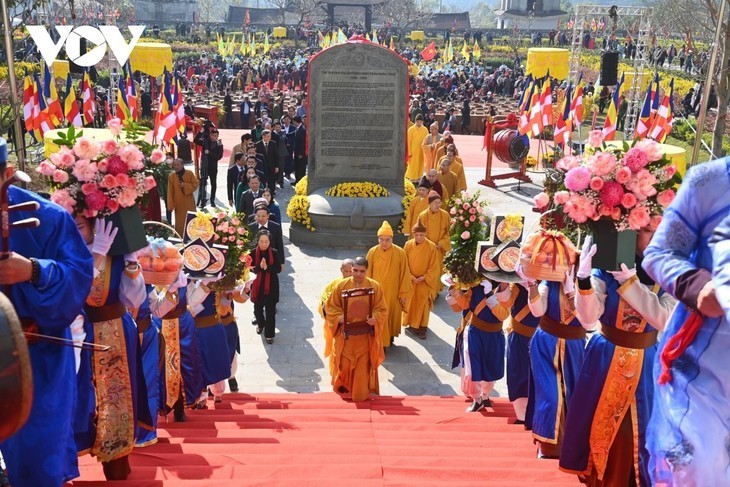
x,y
181,197
356,358
390,269
417,205
53,304
450,184
416,136
437,229
423,260
429,151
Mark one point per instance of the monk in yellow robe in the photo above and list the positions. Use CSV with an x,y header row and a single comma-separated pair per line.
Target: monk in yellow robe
x,y
437,223
387,264
346,270
424,266
357,354
429,146
448,179
457,166
416,135
418,204
181,186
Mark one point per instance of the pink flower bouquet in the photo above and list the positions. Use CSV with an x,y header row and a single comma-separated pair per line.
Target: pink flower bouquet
x,y
96,179
628,186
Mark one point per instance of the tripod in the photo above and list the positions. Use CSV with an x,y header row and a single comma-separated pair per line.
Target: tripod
x,y
202,195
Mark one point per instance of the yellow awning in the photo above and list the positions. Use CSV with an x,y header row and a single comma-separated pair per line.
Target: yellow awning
x,y
542,59
151,58
279,32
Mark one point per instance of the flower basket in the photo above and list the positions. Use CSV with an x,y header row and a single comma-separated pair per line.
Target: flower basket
x,y
161,262
131,235
614,247
547,255
163,278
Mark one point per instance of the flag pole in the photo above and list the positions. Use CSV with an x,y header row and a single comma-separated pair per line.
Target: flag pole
x,y
708,85
18,137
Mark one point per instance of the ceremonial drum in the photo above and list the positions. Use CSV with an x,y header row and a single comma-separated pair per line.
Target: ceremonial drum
x,y
16,377
509,146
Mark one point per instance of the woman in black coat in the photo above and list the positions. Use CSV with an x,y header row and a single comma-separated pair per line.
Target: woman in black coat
x,y
265,288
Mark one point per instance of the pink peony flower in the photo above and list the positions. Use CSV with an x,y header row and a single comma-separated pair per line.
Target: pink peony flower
x,y
579,208
60,177
84,170
655,221
102,165
465,206
86,148
232,231
63,198
46,168
577,179
561,197
466,224
241,231
452,211
595,138
132,156
542,200
604,210
472,218
63,158
651,148
670,171
149,183
596,183
639,217
112,206
623,175
115,126
642,184
628,200
127,198
616,214
457,201
635,159
115,165
96,201
109,147
602,163
157,156
465,235
472,210
611,193
236,221
665,198
108,182
567,163
224,239
124,181
88,188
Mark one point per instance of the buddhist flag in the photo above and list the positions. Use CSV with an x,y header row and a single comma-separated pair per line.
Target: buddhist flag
x,y
42,122
131,94
642,125
576,106
429,52
88,100
178,105
71,104
267,47
663,120
51,95
563,126
29,103
536,126
123,111
524,123
476,52
166,120
465,51
609,126
546,105
247,18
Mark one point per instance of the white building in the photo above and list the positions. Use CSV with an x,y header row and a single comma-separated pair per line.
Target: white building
x,y
529,14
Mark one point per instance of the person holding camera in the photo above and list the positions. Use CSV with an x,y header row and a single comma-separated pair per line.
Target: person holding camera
x,y
212,152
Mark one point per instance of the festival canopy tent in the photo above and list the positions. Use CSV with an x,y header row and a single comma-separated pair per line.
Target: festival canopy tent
x,y
542,59
151,58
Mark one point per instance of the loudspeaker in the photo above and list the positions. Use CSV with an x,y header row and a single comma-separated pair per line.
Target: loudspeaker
x,y
609,68
73,67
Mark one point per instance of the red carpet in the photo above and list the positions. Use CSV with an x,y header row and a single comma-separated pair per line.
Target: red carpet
x,y
321,440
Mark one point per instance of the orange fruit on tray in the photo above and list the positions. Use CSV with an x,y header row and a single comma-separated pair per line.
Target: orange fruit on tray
x,y
145,263
173,264
158,265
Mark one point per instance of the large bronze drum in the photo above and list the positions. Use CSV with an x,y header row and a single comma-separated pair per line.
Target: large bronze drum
x,y
16,377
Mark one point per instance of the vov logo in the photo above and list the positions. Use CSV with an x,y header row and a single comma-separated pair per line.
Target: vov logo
x,y
105,35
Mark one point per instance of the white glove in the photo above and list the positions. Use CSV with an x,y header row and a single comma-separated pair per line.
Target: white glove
x,y
569,282
487,286
182,281
104,234
585,264
624,274
527,282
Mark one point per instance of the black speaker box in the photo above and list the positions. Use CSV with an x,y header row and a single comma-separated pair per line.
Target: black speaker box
x,y
609,68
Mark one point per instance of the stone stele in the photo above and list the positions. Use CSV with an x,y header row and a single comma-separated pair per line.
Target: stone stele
x,y
358,96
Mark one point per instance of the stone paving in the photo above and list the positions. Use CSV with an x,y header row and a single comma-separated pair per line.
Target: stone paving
x,y
295,362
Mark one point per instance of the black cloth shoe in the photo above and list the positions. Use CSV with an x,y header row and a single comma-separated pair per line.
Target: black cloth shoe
x,y
477,405
253,321
233,384
259,329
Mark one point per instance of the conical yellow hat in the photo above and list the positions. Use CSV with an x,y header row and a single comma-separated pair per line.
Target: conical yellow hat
x,y
385,230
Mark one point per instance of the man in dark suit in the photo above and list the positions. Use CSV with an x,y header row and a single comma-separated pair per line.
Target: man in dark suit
x,y
146,103
235,173
267,149
248,196
262,222
300,149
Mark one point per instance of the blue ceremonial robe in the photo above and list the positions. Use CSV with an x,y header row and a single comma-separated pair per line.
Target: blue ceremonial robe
x,y
42,453
191,364
630,379
555,366
687,436
518,347
139,407
484,351
150,352
213,346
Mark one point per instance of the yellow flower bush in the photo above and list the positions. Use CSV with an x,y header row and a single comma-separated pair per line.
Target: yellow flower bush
x,y
298,210
301,187
358,190
530,161
409,192
22,69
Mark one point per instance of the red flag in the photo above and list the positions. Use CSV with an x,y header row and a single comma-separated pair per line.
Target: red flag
x,y
247,20
429,52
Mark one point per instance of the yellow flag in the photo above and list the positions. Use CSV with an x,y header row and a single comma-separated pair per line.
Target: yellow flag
x,y
465,51
375,37
267,47
476,52
392,44
367,36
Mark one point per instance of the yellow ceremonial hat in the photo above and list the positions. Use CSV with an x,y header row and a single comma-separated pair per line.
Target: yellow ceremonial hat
x,y
385,230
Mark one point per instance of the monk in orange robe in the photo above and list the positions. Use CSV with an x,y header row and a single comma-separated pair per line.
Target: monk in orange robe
x,y
346,271
437,223
416,135
424,266
429,147
418,204
357,355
